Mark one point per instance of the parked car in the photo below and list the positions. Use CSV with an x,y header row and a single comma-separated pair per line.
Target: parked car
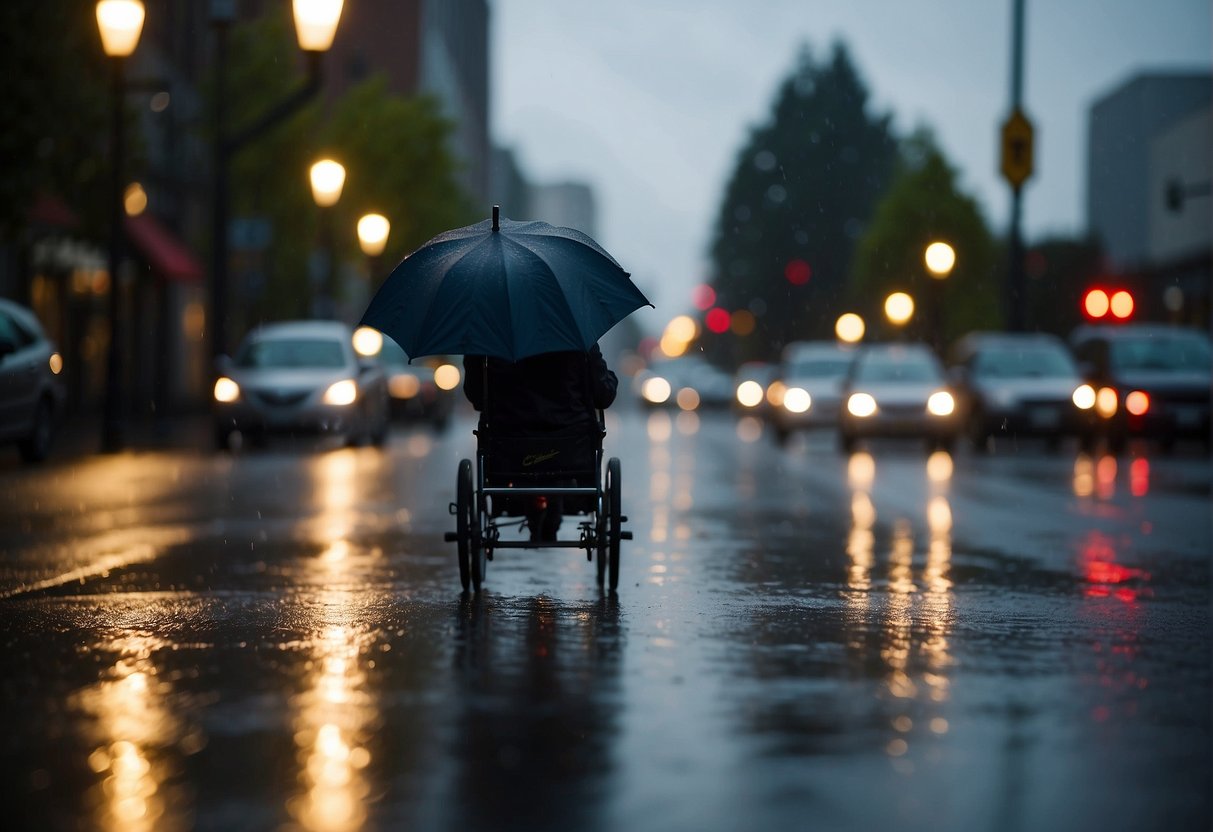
x,y
1147,380
31,392
298,378
897,390
1017,384
413,393
811,376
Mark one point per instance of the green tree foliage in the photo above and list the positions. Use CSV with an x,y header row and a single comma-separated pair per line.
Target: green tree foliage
x,y
396,152
53,97
802,191
924,204
399,164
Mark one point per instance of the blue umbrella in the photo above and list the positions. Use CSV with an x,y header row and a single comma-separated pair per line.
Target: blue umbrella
x,y
503,288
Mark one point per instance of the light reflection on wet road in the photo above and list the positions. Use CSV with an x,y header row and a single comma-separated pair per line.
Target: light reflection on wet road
x,y
891,639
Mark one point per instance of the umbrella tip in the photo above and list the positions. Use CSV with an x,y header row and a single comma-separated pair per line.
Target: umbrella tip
x,y
496,216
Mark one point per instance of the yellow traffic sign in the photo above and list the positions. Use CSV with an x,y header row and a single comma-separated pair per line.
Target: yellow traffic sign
x,y
1017,149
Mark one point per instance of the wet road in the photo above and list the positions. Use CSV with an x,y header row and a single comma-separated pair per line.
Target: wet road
x,y
893,640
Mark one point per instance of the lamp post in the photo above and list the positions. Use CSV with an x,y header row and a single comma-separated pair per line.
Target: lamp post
x,y
120,23
315,28
373,230
328,180
940,259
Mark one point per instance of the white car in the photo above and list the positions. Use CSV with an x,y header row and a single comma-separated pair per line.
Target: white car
x,y
299,378
31,393
811,377
898,390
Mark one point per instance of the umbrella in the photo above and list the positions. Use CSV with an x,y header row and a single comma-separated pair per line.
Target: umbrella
x,y
503,288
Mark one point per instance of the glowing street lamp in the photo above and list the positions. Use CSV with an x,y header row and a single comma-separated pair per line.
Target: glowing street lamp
x,y
849,328
899,308
328,180
120,22
372,234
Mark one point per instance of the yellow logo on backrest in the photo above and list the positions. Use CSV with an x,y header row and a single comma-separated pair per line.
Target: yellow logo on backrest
x,y
535,459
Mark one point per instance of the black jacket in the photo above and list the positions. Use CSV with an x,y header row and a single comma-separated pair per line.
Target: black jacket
x,y
556,392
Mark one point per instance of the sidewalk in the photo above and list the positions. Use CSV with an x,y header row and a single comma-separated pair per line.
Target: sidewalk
x,y
79,436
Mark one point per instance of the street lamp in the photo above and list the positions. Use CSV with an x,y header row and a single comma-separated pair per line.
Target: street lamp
x,y
849,328
120,23
940,259
328,180
899,308
373,230
315,27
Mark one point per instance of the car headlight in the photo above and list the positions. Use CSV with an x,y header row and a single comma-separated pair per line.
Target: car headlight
x,y
447,376
341,393
941,403
403,386
1106,402
1083,397
861,405
656,390
226,390
797,400
749,393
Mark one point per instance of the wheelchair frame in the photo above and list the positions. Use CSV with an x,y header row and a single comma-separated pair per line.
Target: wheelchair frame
x,y
478,533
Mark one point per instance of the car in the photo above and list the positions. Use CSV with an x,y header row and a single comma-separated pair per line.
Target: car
x,y
750,385
1146,380
32,394
413,391
300,378
1017,384
687,382
897,390
811,379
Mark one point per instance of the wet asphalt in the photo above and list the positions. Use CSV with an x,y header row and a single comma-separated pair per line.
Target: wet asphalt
x,y
277,640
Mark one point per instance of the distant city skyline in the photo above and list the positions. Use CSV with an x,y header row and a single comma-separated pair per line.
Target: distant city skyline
x,y
650,103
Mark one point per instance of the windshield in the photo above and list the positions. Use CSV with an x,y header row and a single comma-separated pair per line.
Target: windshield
x,y
1172,353
895,368
820,368
292,353
1023,363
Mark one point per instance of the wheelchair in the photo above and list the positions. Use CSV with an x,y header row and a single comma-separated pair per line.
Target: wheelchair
x,y
520,475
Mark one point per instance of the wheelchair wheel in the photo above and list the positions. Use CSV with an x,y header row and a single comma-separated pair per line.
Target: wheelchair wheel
x,y
478,551
464,513
614,520
600,537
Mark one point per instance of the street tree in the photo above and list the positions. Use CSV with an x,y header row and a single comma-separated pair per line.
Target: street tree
x,y
802,191
923,205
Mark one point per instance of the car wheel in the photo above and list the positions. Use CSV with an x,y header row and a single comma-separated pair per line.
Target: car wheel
x,y
36,446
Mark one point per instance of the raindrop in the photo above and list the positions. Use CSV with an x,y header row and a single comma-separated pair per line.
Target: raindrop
x,y
853,228
802,237
742,213
764,160
777,194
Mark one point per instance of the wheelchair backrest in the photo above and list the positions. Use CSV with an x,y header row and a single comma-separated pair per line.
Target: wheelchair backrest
x,y
523,458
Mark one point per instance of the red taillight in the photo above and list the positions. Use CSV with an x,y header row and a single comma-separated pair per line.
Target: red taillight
x,y
1137,403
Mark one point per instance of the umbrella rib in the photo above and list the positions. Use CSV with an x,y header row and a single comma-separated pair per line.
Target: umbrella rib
x,y
424,326
599,302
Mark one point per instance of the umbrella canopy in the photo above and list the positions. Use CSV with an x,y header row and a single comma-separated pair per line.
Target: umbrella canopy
x,y
503,288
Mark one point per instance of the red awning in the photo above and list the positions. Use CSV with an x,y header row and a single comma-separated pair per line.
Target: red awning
x,y
165,254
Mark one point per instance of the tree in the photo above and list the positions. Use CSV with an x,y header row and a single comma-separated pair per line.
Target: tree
x,y
924,204
396,152
802,191
53,97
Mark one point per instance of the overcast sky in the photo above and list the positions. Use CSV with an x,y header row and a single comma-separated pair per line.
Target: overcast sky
x,y
649,102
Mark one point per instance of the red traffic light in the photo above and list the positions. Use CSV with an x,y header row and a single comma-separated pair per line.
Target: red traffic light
x,y
1117,304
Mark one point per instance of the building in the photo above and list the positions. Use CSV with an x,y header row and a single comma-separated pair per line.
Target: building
x,y
1148,182
569,204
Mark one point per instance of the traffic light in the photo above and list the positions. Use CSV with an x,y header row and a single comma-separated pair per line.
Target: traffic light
x,y
1115,305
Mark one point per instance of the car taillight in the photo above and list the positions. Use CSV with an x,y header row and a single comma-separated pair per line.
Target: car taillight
x,y
1137,403
1106,402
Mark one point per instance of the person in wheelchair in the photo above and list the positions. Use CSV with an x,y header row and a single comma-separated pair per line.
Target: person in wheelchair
x,y
556,394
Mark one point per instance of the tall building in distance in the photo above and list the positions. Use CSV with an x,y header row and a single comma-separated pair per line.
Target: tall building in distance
x,y
435,47
1149,183
570,204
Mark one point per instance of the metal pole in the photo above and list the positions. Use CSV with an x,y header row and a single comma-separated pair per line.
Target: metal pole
x,y
219,198
112,421
1016,290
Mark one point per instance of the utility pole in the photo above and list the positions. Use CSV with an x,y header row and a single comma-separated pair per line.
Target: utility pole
x,y
1017,135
